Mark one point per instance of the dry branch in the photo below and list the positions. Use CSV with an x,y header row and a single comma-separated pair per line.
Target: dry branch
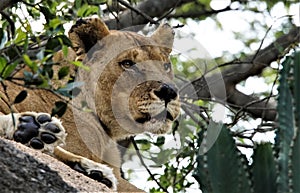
x,y
251,66
196,13
152,8
7,3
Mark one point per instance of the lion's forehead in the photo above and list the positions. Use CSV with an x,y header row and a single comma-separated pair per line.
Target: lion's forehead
x,y
143,53
134,44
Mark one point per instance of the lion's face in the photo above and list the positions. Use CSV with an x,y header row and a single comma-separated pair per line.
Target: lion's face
x,y
153,97
155,105
134,90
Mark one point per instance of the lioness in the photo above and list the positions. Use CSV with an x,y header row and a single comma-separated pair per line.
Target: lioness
x,y
128,90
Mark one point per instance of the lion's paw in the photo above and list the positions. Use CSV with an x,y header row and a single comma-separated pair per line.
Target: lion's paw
x,y
37,130
96,171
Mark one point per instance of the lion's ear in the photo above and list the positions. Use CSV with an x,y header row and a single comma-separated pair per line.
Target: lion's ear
x,y
85,33
164,36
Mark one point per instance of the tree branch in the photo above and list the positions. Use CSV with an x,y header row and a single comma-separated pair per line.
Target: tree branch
x,y
152,8
197,13
7,3
124,3
207,86
253,66
257,108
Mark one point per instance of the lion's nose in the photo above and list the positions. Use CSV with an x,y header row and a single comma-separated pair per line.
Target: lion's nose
x,y
166,92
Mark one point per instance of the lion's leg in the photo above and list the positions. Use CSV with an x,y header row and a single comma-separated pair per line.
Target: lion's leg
x,y
97,171
43,132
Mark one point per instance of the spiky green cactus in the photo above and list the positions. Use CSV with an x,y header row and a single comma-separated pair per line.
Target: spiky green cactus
x,y
222,168
275,167
295,146
285,132
264,169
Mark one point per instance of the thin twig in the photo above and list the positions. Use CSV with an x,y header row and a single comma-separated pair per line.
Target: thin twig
x,y
265,36
194,118
261,43
186,173
271,93
193,106
178,26
145,166
197,14
11,23
247,106
170,11
175,172
5,93
245,145
124,3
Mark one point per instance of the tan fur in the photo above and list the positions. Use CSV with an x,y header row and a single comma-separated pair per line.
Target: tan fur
x,y
112,93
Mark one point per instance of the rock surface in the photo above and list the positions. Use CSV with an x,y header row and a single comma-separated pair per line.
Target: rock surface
x,y
26,170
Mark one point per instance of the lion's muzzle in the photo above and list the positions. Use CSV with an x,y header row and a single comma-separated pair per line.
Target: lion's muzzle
x,y
166,93
158,107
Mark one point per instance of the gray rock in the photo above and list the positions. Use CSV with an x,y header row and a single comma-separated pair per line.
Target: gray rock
x,y
25,170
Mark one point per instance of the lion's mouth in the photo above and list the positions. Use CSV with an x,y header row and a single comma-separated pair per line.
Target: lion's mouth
x,y
163,116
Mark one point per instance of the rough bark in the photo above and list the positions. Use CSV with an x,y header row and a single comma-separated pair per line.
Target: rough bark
x,y
26,170
152,8
7,3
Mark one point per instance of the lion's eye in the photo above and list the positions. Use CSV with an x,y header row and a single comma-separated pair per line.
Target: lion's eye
x,y
167,67
127,63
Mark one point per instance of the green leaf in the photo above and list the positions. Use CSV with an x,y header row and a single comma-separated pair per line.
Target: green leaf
x,y
20,97
47,13
27,60
55,43
65,50
27,75
71,89
80,65
144,144
32,65
1,35
59,109
54,23
9,69
63,72
3,63
141,141
25,47
87,10
264,169
97,1
20,36
160,141
78,4
72,85
65,40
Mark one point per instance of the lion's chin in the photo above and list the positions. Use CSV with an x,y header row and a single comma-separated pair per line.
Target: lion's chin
x,y
157,126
